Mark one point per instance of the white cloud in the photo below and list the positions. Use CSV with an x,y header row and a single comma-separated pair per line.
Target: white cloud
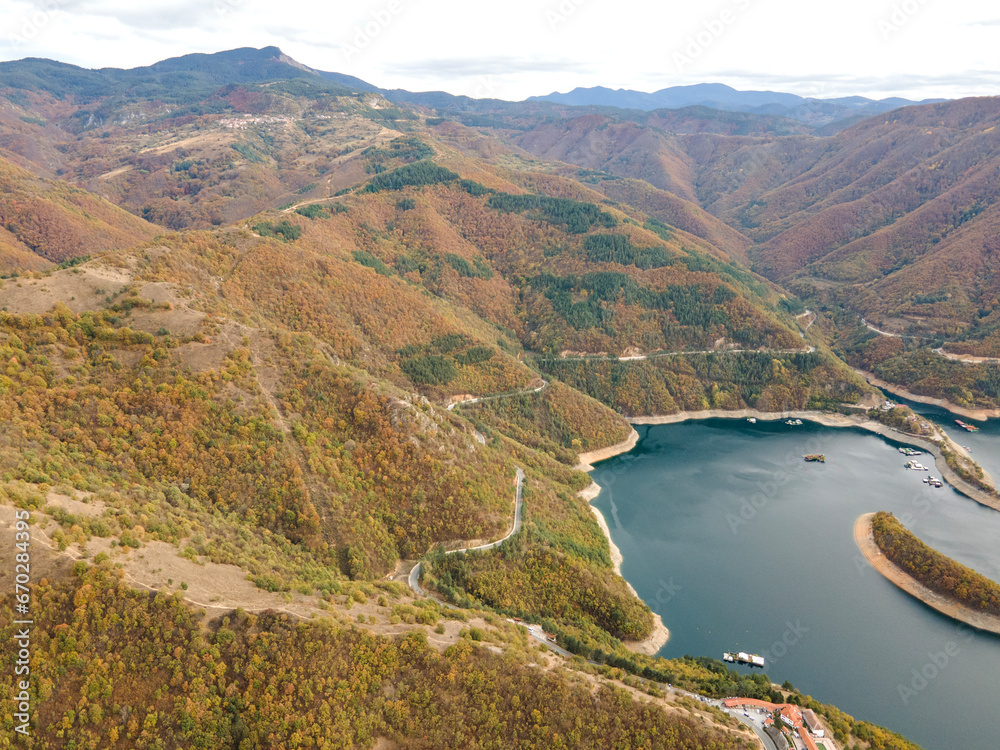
x,y
523,47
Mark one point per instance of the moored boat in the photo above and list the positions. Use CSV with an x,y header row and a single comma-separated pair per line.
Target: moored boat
x,y
751,660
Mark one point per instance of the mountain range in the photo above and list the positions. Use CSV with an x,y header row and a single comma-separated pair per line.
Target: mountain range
x,y
271,336
719,96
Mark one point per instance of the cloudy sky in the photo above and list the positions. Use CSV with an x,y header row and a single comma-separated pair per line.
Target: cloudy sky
x,y
518,48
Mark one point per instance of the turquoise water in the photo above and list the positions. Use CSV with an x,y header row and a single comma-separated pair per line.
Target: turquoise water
x,y
739,544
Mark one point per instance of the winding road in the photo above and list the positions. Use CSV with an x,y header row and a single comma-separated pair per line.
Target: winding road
x,y
414,578
495,396
810,325
761,734
658,355
870,327
631,358
965,359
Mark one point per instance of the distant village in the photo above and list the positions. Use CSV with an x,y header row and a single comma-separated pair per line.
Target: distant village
x,y
243,122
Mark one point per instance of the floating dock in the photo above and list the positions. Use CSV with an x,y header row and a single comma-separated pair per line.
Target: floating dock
x,y
741,657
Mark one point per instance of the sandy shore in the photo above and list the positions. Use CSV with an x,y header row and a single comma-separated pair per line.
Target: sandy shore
x,y
602,454
660,635
843,420
978,414
831,420
866,543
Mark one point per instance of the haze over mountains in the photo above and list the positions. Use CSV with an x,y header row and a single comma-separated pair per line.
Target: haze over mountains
x,y
719,96
202,73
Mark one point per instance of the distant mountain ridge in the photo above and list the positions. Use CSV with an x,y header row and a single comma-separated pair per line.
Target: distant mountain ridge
x,y
176,80
195,76
810,110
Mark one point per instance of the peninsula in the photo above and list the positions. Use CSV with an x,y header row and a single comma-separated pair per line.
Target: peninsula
x,y
947,586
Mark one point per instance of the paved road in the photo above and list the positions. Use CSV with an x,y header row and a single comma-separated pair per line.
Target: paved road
x,y
870,327
807,312
768,742
965,359
658,355
495,396
536,632
414,579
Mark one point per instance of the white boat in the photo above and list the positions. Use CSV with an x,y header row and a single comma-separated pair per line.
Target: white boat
x,y
751,660
752,420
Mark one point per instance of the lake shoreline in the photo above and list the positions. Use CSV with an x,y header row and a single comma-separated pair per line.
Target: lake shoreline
x,y
980,415
865,539
586,460
660,635
832,419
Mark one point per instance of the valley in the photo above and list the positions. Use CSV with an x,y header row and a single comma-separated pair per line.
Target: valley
x,y
275,349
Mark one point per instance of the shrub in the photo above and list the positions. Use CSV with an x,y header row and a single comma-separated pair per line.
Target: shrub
x,y
430,369
285,231
314,211
416,174
369,260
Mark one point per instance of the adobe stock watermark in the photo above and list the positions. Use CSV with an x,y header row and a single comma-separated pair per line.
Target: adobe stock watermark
x,y
937,662
701,41
767,491
794,632
607,477
559,14
225,7
921,502
34,21
899,15
367,32
485,87
666,593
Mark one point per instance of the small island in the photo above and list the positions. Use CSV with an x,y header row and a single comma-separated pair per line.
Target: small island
x,y
938,581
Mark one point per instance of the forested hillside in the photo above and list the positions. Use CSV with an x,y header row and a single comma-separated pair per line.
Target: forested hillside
x,y
46,222
932,569
891,220
129,670
287,332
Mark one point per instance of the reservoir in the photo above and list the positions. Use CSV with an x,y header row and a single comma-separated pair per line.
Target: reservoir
x,y
985,444
740,545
